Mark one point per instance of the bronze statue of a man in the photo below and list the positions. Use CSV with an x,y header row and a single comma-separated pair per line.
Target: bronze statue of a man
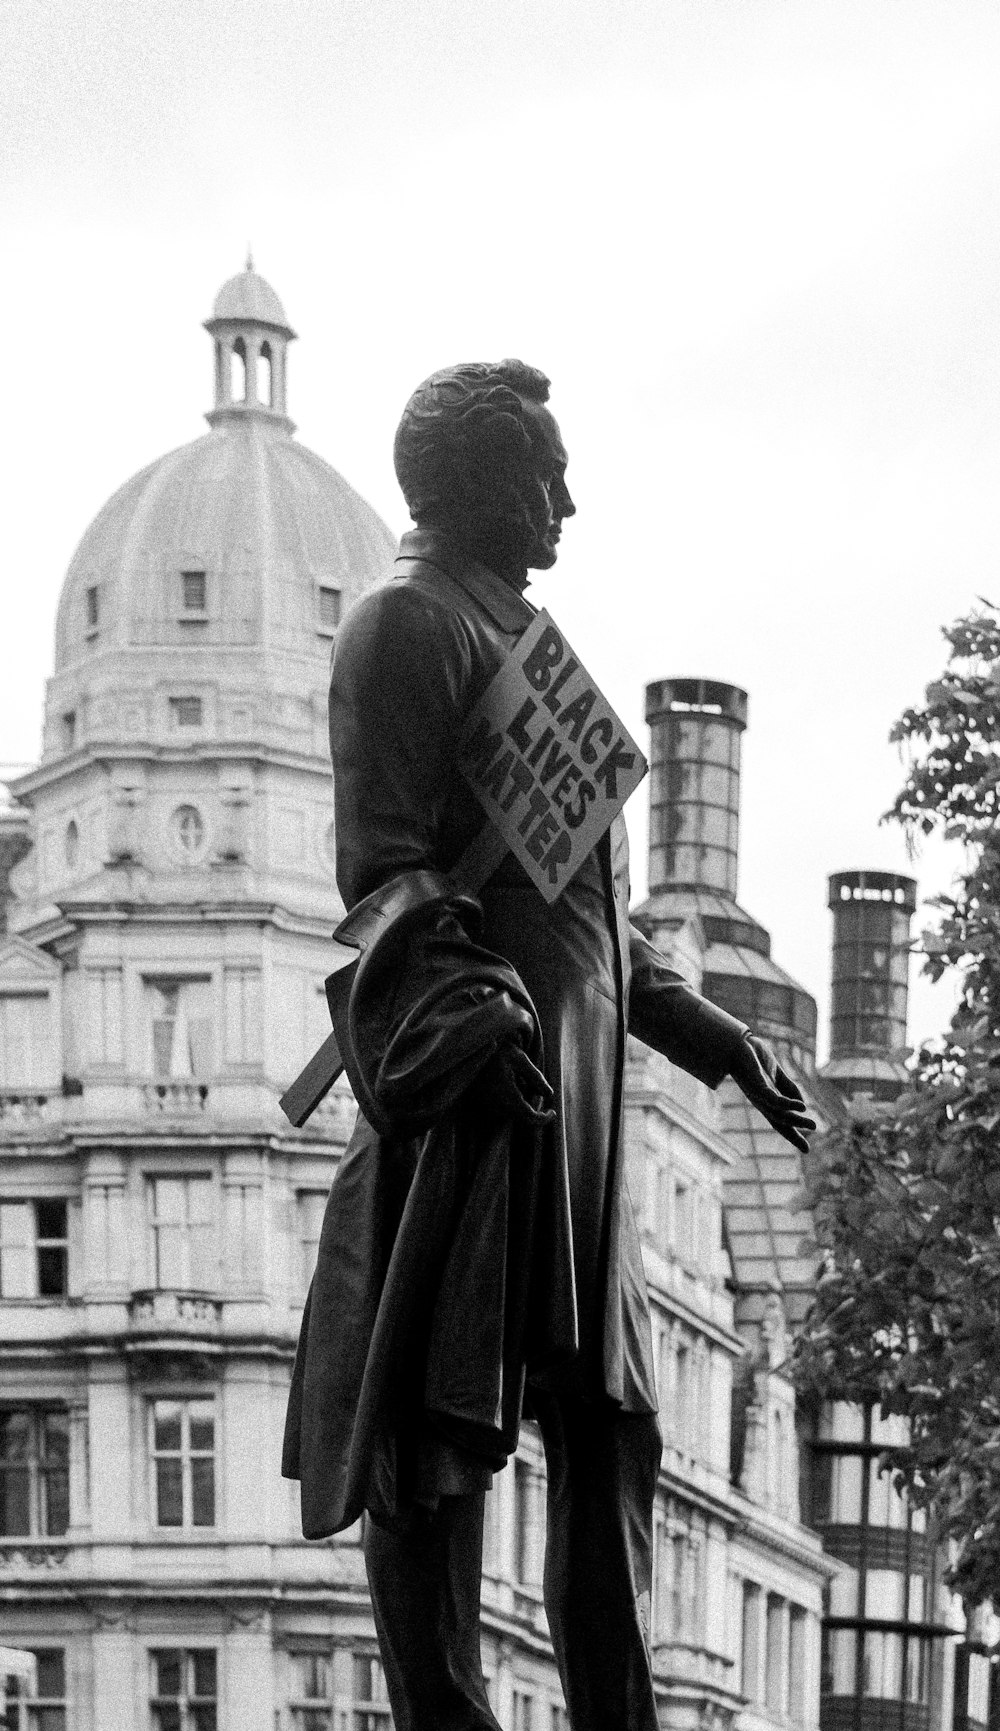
x,y
479,1256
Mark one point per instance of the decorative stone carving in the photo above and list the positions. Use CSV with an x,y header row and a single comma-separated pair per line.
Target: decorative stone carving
x,y
31,1556
186,1311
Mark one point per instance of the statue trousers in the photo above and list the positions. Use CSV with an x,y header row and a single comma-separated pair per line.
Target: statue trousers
x,y
601,1467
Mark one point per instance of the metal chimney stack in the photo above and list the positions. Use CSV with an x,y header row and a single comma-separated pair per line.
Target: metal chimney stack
x,y
694,790
872,911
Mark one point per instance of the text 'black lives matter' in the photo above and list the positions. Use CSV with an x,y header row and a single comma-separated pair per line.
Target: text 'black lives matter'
x,y
547,757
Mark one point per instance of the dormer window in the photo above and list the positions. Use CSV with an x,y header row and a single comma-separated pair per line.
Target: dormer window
x,y
328,606
92,610
186,711
194,595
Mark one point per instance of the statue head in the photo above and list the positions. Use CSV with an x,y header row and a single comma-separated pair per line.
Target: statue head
x,y
479,455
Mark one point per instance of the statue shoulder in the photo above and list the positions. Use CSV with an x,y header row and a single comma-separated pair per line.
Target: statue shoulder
x,y
407,621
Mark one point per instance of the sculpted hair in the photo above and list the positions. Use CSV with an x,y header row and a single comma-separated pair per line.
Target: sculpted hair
x,y
463,450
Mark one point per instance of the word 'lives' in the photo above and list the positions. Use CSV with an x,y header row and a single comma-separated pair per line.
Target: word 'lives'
x,y
548,758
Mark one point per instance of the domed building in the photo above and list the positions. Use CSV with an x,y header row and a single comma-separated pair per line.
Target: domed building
x,y
169,893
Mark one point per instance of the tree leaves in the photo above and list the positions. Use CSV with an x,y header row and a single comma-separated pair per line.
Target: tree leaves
x,y
906,1207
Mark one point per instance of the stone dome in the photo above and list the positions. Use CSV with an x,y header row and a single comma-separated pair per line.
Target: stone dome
x,y
223,568
248,296
263,520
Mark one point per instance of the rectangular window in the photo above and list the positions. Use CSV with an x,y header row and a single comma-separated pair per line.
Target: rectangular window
x,y
26,1041
311,1207
92,614
243,1234
182,1024
329,608
797,1665
678,1574
34,1472
181,1214
46,1708
370,1710
186,711
183,1690
694,1618
683,1220
242,1004
774,1660
194,593
183,1449
311,1700
523,1710
751,1641
33,1249
682,1395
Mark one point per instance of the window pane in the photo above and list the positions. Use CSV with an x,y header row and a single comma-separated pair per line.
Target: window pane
x,y
51,1218
845,1497
316,1677
200,1208
15,1436
169,1268
203,1671
54,1479
163,1045
17,1250
839,1658
167,1416
202,1492
201,1414
166,1717
51,1672
15,1507
167,1671
329,608
194,590
169,1493
202,1718
46,1718
882,1658
201,1256
51,1272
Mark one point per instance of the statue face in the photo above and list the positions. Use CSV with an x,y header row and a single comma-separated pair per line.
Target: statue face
x,y
549,498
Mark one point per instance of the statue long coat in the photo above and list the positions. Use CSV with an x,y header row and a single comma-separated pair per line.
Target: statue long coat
x,y
456,1254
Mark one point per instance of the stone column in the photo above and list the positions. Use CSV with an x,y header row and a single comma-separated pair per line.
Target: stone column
x,y
248,1687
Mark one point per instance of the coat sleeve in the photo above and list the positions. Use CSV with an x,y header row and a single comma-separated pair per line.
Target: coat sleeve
x,y
669,1015
398,690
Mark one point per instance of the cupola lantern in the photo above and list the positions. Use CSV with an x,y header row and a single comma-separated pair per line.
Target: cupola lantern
x,y
251,335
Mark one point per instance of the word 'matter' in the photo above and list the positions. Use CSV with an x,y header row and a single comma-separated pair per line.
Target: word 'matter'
x,y
547,757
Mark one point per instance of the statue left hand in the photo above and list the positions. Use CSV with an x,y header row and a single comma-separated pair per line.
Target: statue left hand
x,y
768,1087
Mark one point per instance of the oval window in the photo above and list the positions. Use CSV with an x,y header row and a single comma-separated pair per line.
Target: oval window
x,y
189,830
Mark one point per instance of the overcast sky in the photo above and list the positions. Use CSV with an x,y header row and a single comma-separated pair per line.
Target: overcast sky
x,y
755,244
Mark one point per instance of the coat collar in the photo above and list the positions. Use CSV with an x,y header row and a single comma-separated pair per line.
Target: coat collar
x,y
504,605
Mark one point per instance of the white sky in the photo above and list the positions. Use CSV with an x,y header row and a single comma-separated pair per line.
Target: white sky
x,y
755,243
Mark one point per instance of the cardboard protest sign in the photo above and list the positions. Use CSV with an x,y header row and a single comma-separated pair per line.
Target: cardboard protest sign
x,y
551,765
547,757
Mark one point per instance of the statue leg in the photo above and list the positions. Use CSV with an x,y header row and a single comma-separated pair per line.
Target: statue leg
x,y
425,1589
602,1466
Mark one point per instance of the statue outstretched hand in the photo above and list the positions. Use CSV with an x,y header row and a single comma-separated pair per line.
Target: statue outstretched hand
x,y
767,1086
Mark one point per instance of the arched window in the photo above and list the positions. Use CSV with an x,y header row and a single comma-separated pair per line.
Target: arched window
x,y
72,843
239,375
265,376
